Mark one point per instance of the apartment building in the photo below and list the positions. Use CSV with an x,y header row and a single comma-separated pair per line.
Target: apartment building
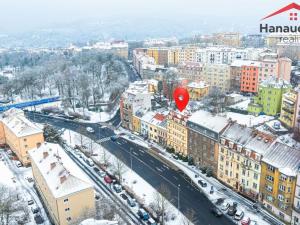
x,y
296,205
160,55
204,130
249,76
269,97
232,39
191,71
187,54
19,134
66,191
278,180
158,129
197,90
217,75
136,97
241,152
288,112
177,132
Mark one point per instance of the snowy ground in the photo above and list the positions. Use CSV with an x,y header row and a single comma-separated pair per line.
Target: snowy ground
x,y
17,179
143,191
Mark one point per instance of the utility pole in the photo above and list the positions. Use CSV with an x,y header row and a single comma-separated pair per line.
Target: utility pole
x,y
178,197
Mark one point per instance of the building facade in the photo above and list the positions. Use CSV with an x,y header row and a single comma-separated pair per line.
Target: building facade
x,y
217,75
66,191
19,134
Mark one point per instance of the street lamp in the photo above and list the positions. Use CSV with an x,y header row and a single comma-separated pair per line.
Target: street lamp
x,y
178,197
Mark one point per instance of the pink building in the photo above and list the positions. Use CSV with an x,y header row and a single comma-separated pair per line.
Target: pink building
x,y
284,68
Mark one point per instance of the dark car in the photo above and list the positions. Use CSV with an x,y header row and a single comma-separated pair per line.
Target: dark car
x,y
232,210
96,169
125,197
217,212
38,219
113,138
35,210
202,183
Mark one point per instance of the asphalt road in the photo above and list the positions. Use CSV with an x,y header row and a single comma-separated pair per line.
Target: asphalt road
x,y
151,169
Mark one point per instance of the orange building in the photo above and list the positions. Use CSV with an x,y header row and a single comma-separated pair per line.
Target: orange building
x,y
19,134
249,77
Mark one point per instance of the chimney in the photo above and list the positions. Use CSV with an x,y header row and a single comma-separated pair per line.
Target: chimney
x,y
45,154
63,179
52,165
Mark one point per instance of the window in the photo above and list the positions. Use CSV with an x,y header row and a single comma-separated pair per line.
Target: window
x,y
255,176
282,188
67,209
254,185
280,197
69,219
270,178
66,200
25,139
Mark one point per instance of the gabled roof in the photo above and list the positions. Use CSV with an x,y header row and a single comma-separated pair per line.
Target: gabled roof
x,y
284,9
74,180
283,157
16,122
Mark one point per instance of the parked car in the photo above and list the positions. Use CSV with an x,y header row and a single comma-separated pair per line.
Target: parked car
x,y
18,164
217,212
124,196
225,206
151,222
113,138
239,215
245,221
90,162
96,169
35,210
202,183
252,222
131,137
232,210
175,156
101,173
38,219
117,188
30,202
90,130
107,179
131,202
143,214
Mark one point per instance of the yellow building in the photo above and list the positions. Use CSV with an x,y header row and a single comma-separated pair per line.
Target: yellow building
x,y
187,54
288,108
19,134
173,56
157,129
136,122
197,90
278,180
240,154
160,55
152,86
66,191
177,132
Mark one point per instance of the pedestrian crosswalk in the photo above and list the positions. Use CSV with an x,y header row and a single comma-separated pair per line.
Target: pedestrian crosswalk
x,y
106,139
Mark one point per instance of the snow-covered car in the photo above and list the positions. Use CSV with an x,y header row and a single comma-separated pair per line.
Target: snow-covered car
x,y
131,202
217,212
225,206
90,130
89,162
30,202
18,164
239,215
101,173
131,137
117,188
38,219
252,222
35,210
151,222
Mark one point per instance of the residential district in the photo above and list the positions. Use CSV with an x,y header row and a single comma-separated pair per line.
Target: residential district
x,y
231,157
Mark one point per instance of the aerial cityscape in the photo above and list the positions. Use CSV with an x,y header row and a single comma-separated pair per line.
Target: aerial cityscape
x,y
149,113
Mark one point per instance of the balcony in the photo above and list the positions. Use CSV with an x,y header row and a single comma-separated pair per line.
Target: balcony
x,y
289,110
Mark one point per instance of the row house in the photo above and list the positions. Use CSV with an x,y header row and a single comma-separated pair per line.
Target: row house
x,y
204,130
280,166
177,132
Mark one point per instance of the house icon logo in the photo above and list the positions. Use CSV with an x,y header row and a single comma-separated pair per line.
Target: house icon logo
x,y
293,15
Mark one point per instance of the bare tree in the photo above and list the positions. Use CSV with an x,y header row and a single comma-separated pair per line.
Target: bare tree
x,y
119,167
160,203
104,157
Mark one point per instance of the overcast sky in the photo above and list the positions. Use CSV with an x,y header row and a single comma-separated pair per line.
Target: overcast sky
x,y
26,15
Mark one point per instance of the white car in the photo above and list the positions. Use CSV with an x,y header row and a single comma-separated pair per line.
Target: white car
x,y
90,130
225,206
239,215
18,164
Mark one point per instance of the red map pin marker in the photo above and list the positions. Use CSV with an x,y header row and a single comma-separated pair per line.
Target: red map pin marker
x,y
181,97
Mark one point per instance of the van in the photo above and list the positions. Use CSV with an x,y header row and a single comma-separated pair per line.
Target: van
x,y
90,162
143,214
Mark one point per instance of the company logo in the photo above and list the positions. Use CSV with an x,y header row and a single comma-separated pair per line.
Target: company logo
x,y
293,16
288,32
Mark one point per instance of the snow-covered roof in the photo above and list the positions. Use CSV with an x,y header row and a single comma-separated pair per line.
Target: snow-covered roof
x,y
62,175
15,120
147,117
259,143
237,133
275,83
283,157
98,222
248,120
209,121
240,63
200,84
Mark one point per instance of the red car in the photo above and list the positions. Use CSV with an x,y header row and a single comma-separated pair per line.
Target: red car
x,y
107,179
245,221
